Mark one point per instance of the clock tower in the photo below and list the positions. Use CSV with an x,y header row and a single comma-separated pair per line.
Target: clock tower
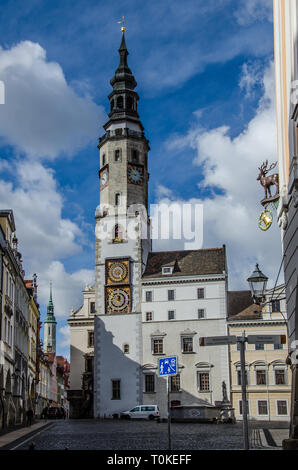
x,y
122,246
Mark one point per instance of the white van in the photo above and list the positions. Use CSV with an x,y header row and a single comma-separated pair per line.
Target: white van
x,y
141,412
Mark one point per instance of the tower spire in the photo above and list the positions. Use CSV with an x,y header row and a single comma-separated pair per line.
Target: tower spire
x,y
50,326
50,307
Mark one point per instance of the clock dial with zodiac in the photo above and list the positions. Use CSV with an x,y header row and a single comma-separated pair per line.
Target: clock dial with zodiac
x,y
117,272
135,174
118,299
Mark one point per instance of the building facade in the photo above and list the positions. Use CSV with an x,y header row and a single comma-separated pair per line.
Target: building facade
x,y
81,324
14,328
43,390
144,305
33,343
286,79
268,374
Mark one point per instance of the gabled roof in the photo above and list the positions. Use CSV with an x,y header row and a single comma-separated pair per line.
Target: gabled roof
x,y
187,262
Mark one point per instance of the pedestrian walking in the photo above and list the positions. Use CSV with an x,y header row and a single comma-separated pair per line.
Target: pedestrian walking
x,y
29,415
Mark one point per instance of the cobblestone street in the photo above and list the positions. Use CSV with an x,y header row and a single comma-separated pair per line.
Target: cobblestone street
x,y
144,435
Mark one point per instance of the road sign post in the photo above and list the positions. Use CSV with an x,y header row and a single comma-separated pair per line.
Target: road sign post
x,y
168,366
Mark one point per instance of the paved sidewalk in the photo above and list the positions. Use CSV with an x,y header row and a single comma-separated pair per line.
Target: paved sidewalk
x,y
12,436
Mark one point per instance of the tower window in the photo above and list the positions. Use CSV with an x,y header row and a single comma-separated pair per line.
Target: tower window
x,y
120,102
126,349
135,156
129,102
112,105
104,159
117,199
118,233
117,155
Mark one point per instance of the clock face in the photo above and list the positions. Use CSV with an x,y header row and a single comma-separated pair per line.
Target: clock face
x,y
118,272
118,300
103,179
135,174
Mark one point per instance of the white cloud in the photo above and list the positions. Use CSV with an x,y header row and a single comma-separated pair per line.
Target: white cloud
x,y
251,77
67,288
250,11
42,115
43,233
231,164
65,337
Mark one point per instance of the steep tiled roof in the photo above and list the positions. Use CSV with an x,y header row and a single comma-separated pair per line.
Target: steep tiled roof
x,y
241,306
252,312
187,262
238,300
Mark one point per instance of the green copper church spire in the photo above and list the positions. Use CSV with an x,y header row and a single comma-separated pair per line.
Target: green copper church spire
x,y
50,318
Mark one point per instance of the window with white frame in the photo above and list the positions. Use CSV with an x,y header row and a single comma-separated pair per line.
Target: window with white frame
x,y
262,407
201,313
261,377
167,270
157,345
148,296
239,376
201,293
149,316
187,344
171,294
275,306
175,383
171,315
280,375
204,381
282,407
240,407
149,383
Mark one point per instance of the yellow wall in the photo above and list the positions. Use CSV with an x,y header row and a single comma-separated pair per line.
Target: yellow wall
x,y
269,358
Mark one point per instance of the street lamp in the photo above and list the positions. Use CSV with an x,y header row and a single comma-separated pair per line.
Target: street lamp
x,y
257,282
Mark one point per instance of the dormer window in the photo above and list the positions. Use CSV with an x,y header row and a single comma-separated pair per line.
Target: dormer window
x,y
167,270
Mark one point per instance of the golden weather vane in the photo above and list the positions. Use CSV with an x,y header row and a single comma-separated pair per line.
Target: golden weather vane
x,y
123,28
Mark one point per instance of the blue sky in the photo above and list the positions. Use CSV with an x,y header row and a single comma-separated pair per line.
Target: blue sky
x,y
205,80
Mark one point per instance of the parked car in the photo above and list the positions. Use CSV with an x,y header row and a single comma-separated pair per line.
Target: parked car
x,y
141,412
55,413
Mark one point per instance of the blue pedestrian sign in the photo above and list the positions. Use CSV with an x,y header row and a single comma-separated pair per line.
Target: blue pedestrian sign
x,y
168,366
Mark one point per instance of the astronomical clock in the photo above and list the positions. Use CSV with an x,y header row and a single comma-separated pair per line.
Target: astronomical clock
x,y
118,291
135,174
